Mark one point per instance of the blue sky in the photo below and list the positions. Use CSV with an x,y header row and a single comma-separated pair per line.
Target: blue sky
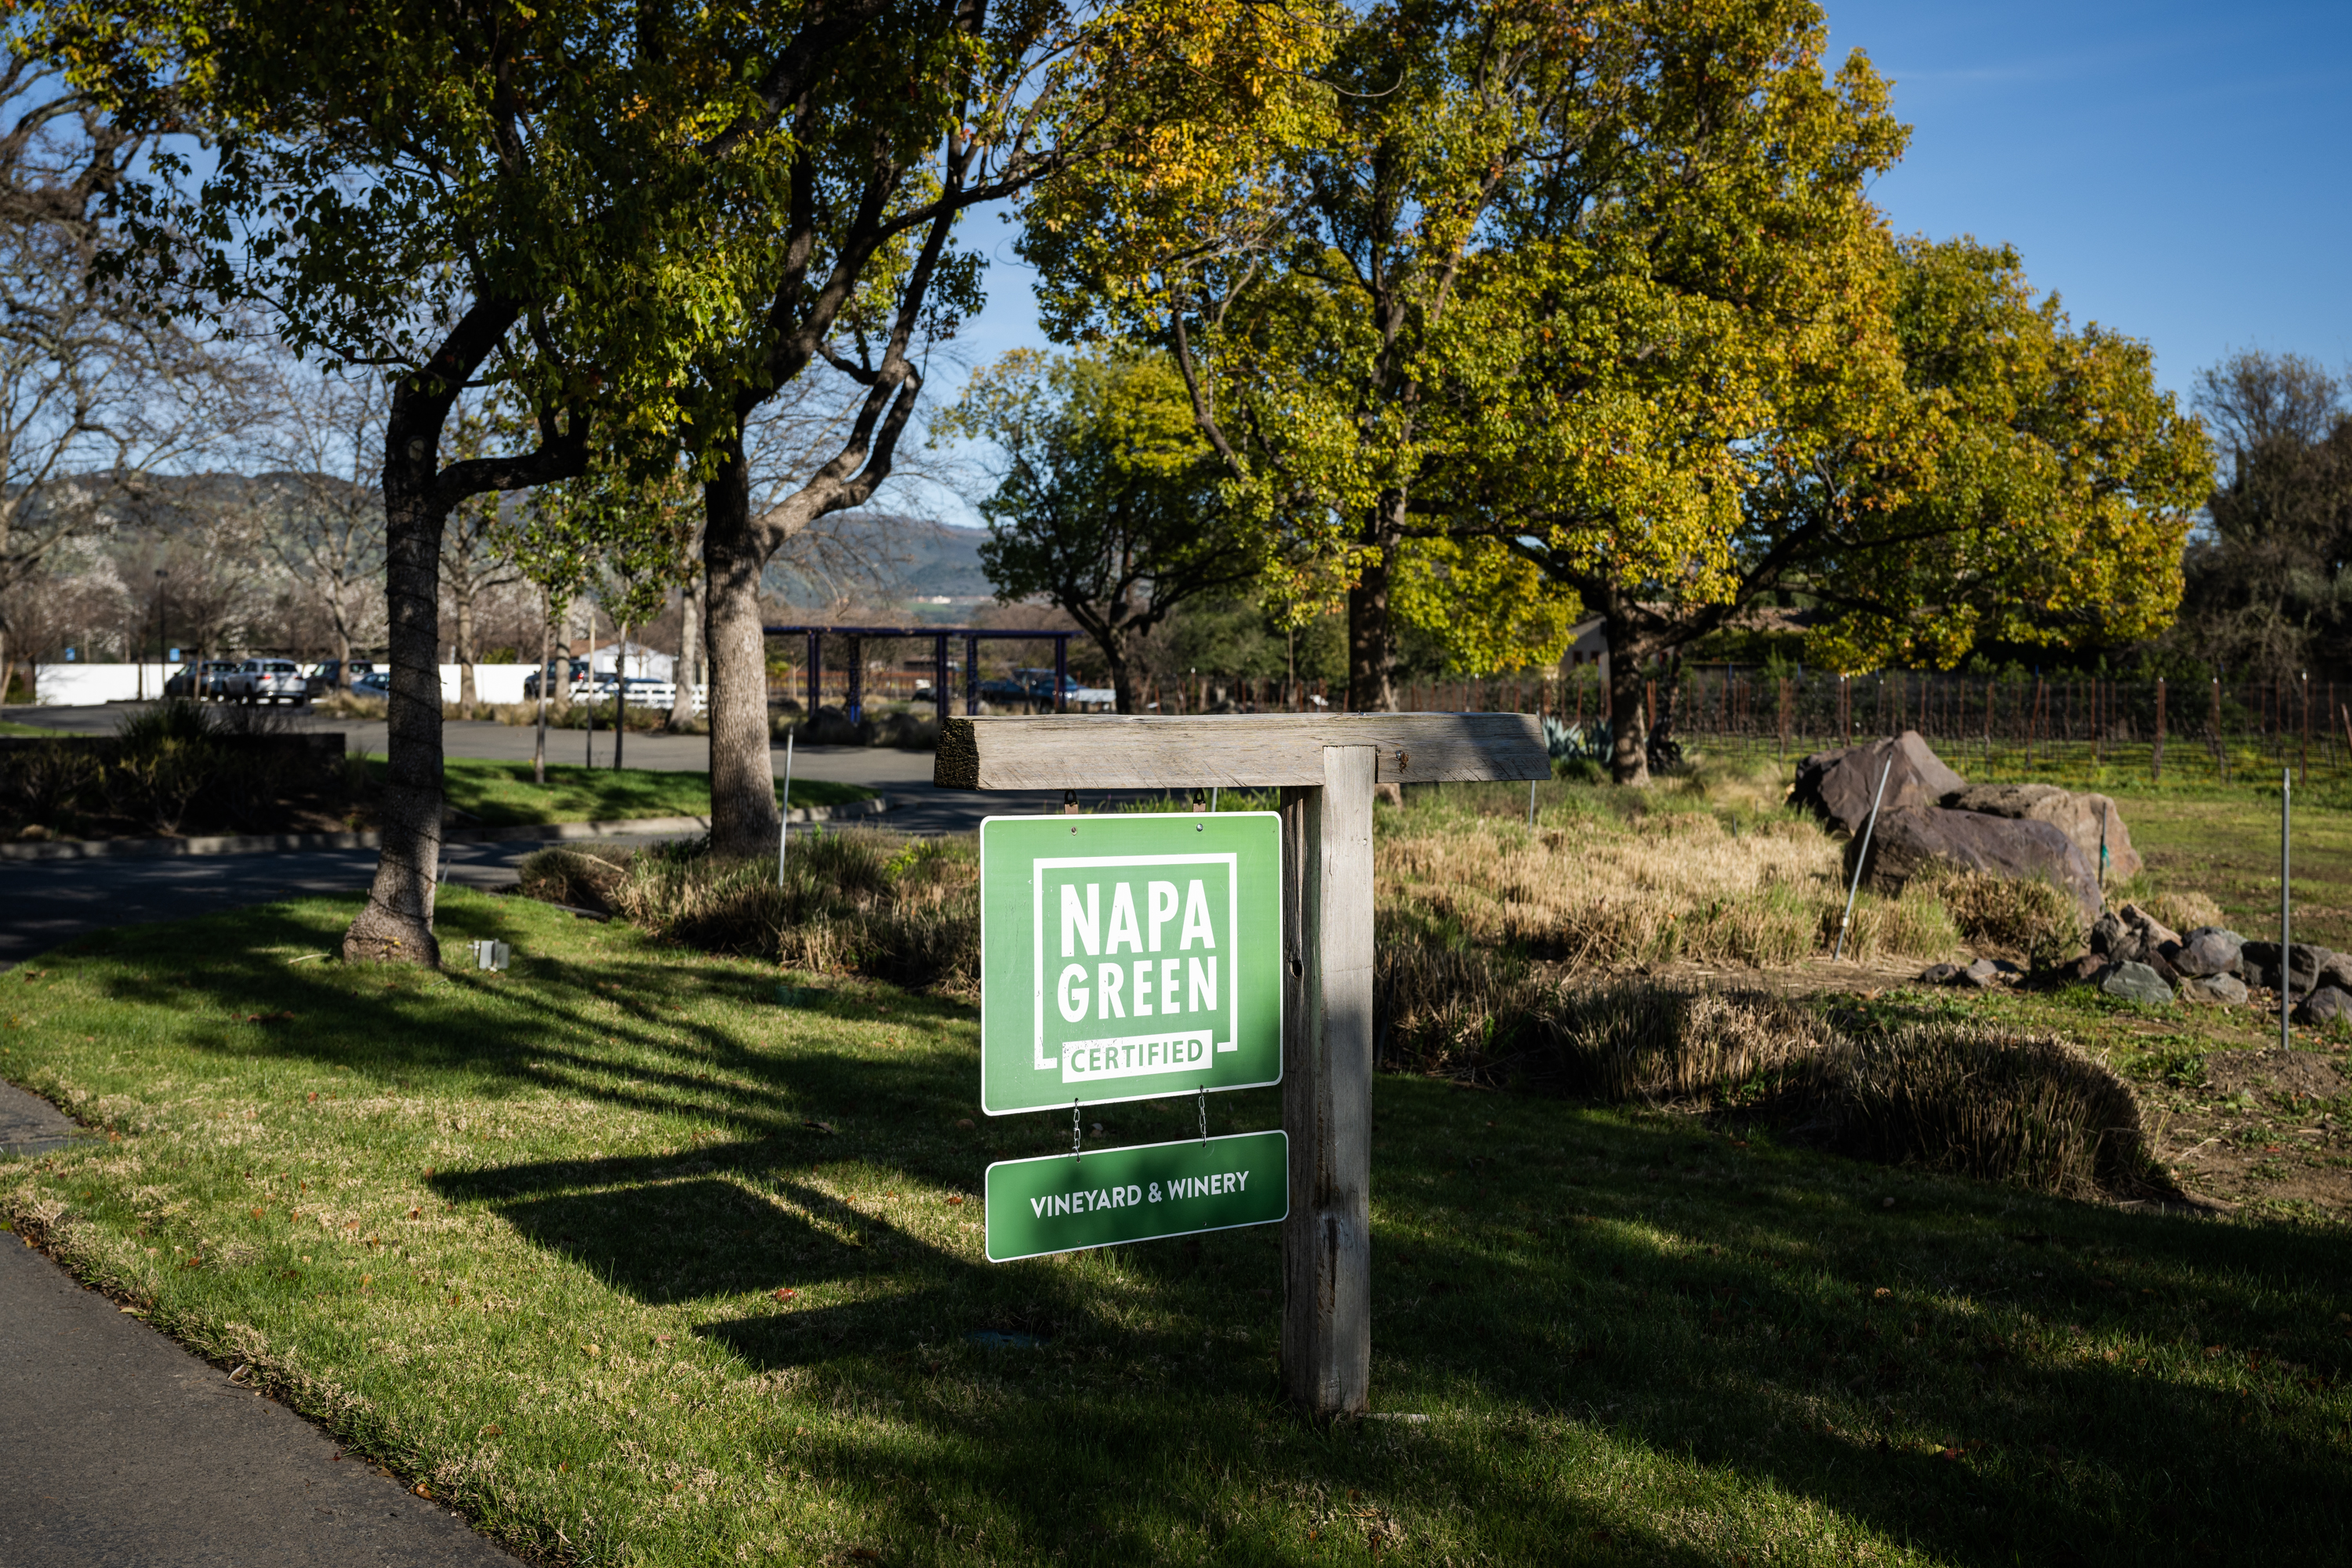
x,y
2173,171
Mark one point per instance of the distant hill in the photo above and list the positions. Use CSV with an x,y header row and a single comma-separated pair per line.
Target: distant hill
x,y
885,556
942,559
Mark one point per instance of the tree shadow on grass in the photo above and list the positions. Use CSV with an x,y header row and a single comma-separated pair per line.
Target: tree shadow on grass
x,y
1570,1294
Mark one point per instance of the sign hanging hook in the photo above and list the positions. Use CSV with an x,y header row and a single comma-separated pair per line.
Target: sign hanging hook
x,y
1204,1113
1074,1152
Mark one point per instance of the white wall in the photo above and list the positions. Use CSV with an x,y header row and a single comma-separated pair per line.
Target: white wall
x,y
74,685
492,682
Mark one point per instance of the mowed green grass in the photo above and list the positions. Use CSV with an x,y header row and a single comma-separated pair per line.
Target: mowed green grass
x,y
502,794
521,1237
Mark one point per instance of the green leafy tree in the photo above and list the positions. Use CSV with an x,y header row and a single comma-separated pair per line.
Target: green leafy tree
x,y
454,197
1940,460
1110,504
1501,248
2269,585
848,261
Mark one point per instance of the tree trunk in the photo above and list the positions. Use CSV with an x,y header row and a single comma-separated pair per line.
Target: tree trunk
x,y
563,683
620,693
588,756
397,924
742,775
1629,729
464,649
689,654
1122,673
1371,649
538,743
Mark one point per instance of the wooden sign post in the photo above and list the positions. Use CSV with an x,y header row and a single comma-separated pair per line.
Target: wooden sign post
x,y
1326,767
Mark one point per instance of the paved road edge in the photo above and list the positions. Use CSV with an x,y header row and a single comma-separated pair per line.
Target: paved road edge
x,y
280,843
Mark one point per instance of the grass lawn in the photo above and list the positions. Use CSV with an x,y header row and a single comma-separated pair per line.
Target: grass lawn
x,y
501,793
10,727
635,1254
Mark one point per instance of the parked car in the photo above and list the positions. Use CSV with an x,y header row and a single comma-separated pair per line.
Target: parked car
x,y
329,674
578,671
1001,690
270,680
376,683
185,682
1040,687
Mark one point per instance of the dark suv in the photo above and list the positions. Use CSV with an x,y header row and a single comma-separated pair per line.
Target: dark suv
x,y
184,682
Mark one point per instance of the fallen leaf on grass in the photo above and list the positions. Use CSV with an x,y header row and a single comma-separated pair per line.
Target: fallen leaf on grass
x,y
259,1213
493,1430
785,1293
820,1126
955,1197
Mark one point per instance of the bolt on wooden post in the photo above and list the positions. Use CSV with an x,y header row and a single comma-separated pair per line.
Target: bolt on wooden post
x,y
1326,767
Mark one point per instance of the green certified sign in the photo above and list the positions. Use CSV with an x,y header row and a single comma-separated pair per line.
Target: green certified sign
x,y
1128,957
1062,1203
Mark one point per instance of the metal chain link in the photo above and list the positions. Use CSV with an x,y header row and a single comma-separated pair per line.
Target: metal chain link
x,y
1076,1152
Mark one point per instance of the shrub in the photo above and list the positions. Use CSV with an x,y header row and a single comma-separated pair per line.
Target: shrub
x,y
348,705
2184,911
582,878
2022,915
852,902
1980,1102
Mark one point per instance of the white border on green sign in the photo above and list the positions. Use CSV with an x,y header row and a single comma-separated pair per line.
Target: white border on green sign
x,y
1037,1000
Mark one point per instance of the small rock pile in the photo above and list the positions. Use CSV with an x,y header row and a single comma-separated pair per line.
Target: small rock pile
x,y
2136,956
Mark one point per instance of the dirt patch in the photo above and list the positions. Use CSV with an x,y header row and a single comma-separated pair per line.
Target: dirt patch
x,y
2264,1131
2304,1074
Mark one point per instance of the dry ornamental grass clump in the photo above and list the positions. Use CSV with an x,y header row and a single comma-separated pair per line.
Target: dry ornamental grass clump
x,y
1609,893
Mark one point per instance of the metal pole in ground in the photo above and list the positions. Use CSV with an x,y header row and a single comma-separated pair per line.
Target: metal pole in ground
x,y
785,816
1861,860
2286,965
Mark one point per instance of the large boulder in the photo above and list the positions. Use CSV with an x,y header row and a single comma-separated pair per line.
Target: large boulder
x,y
1923,840
2091,821
1838,787
2323,1007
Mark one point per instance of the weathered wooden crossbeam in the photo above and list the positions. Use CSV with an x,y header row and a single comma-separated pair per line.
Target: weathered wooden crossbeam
x,y
1236,751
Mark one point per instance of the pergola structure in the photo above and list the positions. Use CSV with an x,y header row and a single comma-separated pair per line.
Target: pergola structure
x,y
939,635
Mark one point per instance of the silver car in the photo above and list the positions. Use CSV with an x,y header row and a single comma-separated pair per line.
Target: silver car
x,y
271,680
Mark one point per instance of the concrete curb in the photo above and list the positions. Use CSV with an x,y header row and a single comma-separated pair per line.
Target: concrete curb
x,y
282,843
